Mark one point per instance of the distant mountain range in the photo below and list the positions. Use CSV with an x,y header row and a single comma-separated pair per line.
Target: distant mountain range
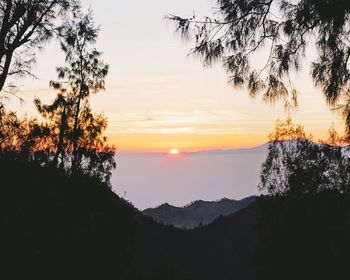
x,y
197,213
262,149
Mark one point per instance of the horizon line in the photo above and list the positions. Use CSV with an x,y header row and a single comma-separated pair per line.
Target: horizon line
x,y
188,150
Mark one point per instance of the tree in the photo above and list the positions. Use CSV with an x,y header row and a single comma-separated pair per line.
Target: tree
x,y
85,71
244,28
24,26
76,132
297,166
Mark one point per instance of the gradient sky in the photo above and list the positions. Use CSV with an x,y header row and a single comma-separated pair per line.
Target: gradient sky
x,y
159,98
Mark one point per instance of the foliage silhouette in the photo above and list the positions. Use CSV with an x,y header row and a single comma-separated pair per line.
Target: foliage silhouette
x,y
287,130
24,27
241,29
297,166
58,113
24,139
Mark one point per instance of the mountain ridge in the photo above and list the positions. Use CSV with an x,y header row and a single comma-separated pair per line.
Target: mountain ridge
x,y
197,213
256,149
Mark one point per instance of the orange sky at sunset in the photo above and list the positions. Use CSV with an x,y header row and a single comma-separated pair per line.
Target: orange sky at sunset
x,y
187,142
183,142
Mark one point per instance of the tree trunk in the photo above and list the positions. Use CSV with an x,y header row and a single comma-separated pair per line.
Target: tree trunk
x,y
6,69
76,119
75,136
60,144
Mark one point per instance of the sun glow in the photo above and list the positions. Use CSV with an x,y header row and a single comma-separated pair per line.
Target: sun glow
x,y
174,152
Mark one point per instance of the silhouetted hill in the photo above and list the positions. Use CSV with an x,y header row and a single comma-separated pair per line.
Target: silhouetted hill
x,y
55,227
222,250
197,213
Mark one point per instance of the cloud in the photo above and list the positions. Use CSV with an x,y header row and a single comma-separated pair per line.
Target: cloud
x,y
194,122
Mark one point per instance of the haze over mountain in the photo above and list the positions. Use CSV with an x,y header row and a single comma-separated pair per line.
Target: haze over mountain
x,y
254,150
151,179
197,213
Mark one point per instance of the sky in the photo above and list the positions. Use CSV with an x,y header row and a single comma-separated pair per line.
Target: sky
x,y
158,97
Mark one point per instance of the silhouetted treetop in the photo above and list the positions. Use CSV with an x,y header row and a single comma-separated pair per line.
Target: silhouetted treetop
x,y
85,69
284,29
84,73
297,166
24,26
287,130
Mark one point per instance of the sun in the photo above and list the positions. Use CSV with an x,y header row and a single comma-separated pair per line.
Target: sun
x,y
174,152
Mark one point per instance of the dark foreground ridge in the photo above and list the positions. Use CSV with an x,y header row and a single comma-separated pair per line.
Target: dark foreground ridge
x,y
55,227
